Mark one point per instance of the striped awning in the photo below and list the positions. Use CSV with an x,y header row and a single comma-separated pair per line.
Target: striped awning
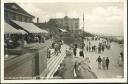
x,y
8,29
30,27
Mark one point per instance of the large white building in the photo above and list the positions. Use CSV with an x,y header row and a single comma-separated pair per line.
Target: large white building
x,y
67,23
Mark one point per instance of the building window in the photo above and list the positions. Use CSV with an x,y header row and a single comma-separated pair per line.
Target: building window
x,y
23,19
76,25
17,17
11,16
20,18
26,19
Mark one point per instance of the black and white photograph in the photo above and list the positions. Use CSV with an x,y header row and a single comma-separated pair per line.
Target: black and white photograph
x,y
63,41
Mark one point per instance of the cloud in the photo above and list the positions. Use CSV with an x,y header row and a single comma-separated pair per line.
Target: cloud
x,y
105,20
100,19
32,9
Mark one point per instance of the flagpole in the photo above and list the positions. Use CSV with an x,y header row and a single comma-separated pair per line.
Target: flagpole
x,y
83,27
82,43
83,24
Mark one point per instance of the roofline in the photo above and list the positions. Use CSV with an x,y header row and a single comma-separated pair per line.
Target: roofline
x,y
24,10
63,18
18,12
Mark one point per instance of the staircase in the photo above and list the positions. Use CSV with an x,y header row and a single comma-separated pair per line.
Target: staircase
x,y
54,62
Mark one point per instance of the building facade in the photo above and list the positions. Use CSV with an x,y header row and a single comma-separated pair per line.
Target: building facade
x,y
17,17
67,23
13,12
15,40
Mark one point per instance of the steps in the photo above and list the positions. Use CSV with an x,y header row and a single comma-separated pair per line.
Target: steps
x,y
54,62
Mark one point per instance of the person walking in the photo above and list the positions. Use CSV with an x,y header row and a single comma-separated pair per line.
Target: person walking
x,y
99,62
99,49
56,49
94,48
75,45
74,50
83,45
107,63
122,56
102,48
81,53
48,52
103,63
59,47
87,48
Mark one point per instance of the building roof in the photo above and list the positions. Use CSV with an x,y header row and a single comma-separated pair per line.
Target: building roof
x,y
8,29
65,17
16,8
63,30
30,27
41,25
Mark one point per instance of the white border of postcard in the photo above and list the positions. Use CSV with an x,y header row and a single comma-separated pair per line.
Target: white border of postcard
x,y
123,80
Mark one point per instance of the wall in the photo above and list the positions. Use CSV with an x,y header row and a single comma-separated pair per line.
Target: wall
x,y
14,16
29,65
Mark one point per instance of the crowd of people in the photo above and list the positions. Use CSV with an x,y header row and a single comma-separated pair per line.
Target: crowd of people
x,y
15,40
103,63
56,47
34,38
97,45
92,45
80,63
77,64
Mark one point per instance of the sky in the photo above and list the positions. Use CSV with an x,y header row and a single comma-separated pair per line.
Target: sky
x,y
100,17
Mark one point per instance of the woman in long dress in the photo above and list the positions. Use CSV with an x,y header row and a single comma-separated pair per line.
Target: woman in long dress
x,y
104,63
120,62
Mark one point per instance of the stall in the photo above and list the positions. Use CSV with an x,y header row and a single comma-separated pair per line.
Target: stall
x,y
35,34
12,36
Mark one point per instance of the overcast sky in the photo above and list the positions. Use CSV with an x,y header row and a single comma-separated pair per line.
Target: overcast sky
x,y
100,17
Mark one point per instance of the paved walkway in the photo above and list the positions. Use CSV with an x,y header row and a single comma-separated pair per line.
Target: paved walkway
x,y
114,70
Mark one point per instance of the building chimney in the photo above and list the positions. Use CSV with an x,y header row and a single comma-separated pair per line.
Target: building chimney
x,y
37,20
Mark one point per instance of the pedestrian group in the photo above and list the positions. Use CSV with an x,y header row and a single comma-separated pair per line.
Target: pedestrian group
x,y
103,63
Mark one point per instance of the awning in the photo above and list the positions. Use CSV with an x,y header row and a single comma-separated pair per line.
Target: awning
x,y
30,27
63,30
8,29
